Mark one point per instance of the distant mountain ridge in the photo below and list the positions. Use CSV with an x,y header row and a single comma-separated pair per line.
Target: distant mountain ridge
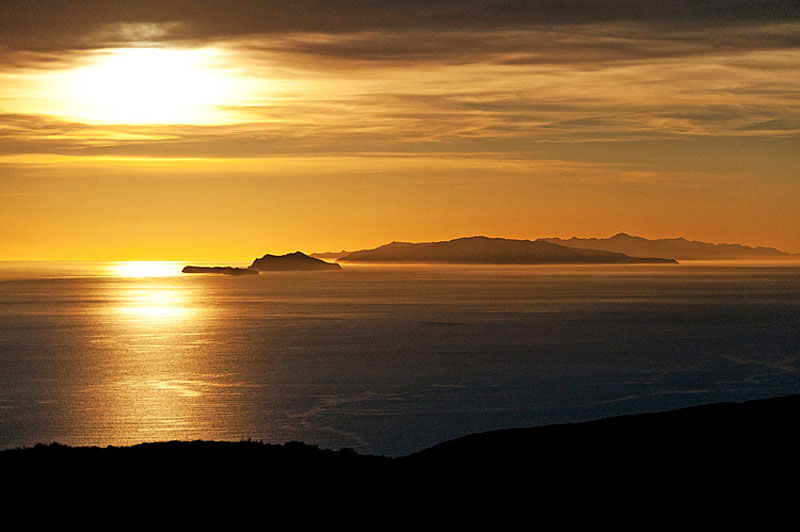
x,y
676,248
485,250
330,255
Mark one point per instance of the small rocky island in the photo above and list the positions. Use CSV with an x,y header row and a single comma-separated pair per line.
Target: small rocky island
x,y
291,262
296,261
221,270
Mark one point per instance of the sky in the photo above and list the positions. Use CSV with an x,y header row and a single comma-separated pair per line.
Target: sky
x,y
168,130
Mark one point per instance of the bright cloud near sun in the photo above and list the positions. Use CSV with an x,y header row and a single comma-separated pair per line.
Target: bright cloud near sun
x,y
145,86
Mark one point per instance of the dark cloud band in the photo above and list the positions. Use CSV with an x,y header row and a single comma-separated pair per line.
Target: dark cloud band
x,y
41,25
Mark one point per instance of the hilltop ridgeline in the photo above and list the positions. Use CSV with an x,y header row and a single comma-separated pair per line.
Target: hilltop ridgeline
x,y
677,248
485,250
722,463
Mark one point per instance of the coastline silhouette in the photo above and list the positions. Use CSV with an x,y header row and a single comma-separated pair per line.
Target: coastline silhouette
x,y
646,471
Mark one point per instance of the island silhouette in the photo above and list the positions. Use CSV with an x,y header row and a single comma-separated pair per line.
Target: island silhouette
x,y
621,248
293,262
221,270
677,248
486,250
296,261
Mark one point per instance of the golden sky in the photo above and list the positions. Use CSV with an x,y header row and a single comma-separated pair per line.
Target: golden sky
x,y
208,130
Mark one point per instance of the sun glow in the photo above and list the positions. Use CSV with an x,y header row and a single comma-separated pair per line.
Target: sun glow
x,y
150,86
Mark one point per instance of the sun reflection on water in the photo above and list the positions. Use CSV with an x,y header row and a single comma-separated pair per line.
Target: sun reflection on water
x,y
156,305
158,379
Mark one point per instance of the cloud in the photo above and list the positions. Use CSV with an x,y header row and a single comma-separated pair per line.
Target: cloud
x,y
494,124
496,78
36,32
575,45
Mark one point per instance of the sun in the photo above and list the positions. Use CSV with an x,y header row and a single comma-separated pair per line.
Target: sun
x,y
150,86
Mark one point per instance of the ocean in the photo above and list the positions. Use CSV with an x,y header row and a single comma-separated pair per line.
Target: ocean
x,y
383,359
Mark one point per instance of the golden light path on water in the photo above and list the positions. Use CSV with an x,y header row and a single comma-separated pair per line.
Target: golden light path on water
x,y
160,383
155,306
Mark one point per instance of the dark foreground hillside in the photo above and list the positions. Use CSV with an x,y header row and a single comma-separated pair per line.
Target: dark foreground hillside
x,y
724,464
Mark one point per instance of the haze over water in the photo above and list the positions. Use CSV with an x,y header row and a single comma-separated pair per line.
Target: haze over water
x,y
386,359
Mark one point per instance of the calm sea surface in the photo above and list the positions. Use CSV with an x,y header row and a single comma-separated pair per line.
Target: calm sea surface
x,y
386,360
